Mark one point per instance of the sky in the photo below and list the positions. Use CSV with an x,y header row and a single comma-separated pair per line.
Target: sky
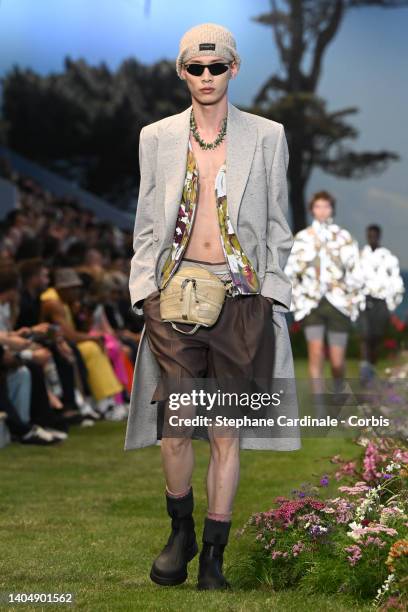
x,y
365,66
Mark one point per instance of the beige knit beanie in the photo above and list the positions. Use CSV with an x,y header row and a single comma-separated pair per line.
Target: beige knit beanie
x,y
207,39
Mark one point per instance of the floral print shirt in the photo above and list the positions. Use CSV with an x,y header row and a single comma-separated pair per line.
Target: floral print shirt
x,y
381,276
324,261
242,273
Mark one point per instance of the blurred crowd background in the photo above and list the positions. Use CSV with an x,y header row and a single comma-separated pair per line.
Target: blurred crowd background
x,y
68,335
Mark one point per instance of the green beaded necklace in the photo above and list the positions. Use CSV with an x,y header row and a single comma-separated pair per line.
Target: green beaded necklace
x,y
207,145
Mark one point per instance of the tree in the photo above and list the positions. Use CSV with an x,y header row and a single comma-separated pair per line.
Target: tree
x,y
85,121
303,30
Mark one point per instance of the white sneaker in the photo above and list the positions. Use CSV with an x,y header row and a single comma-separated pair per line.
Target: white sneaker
x,y
39,432
87,422
87,411
85,407
118,412
38,436
56,433
103,405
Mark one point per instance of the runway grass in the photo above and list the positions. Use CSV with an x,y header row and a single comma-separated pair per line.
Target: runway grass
x,y
88,518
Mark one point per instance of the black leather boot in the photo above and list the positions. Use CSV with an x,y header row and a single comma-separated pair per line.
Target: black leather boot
x,y
215,539
170,567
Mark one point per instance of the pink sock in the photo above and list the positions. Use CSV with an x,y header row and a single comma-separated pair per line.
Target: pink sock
x,y
177,495
215,516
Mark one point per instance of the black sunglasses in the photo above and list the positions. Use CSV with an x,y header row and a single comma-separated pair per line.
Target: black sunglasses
x,y
215,69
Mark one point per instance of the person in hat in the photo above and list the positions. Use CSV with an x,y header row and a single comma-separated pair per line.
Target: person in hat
x,y
213,196
57,304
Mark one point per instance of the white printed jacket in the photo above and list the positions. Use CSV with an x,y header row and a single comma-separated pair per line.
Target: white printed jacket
x,y
324,261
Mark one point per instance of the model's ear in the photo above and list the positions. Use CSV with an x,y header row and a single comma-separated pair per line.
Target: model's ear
x,y
234,69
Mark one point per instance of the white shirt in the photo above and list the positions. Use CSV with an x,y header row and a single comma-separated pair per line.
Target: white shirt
x,y
381,276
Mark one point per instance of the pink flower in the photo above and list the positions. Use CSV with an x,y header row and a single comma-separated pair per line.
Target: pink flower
x,y
375,541
355,554
356,489
373,528
297,548
400,456
348,469
276,553
371,461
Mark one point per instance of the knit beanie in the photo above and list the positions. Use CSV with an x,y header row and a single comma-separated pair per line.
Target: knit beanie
x,y
207,39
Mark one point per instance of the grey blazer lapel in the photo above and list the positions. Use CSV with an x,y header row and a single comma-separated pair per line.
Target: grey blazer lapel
x,y
241,142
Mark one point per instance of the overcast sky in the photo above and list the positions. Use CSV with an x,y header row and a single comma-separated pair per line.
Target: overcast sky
x,y
365,66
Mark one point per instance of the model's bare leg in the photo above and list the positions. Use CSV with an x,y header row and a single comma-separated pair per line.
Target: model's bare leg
x,y
170,567
337,360
315,349
178,463
222,474
222,483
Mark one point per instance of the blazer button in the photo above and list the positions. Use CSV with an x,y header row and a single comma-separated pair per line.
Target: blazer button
x,y
155,237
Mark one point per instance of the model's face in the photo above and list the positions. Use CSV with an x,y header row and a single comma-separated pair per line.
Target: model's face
x,y
218,83
322,210
373,238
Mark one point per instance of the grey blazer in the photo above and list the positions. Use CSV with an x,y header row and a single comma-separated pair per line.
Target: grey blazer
x,y
257,159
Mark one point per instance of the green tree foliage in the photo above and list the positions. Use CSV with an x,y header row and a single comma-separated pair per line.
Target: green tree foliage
x,y
86,121
303,30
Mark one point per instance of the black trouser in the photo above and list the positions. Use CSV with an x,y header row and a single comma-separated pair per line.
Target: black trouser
x,y
40,409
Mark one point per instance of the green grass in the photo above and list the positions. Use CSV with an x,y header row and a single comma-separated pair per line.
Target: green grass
x,y
87,517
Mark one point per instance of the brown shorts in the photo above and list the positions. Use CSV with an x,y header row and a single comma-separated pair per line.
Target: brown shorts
x,y
241,344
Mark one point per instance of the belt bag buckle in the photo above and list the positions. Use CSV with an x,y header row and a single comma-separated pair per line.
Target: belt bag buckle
x,y
193,296
230,290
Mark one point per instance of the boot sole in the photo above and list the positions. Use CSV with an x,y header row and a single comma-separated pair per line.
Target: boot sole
x,y
165,581
223,587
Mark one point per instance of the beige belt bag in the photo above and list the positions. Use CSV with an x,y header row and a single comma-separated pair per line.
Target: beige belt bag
x,y
193,295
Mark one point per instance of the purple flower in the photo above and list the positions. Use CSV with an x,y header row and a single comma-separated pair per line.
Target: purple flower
x,y
324,481
317,530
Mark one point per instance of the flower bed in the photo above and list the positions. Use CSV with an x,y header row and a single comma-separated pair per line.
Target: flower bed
x,y
355,543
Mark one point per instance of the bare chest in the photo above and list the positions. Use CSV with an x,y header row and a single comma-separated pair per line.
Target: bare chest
x,y
208,162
